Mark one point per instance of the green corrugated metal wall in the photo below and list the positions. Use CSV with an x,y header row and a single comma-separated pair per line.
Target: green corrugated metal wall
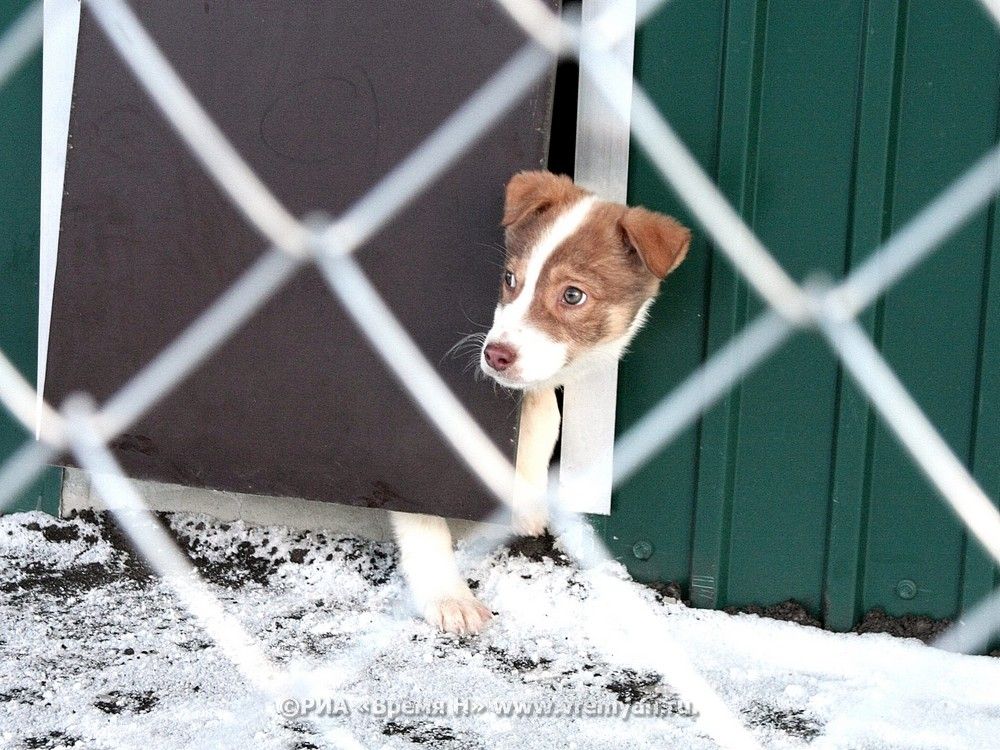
x,y
828,125
20,145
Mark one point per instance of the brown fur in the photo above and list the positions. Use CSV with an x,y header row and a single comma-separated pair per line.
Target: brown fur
x,y
659,240
535,192
617,257
533,201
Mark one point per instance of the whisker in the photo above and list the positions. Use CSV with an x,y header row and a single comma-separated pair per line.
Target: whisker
x,y
493,246
468,340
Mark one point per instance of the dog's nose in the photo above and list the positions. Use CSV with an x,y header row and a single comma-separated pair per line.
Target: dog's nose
x,y
499,356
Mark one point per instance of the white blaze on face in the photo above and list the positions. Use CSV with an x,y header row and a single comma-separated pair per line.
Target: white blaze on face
x,y
539,356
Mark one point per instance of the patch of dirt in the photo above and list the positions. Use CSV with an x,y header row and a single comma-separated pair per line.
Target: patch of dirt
x,y
195,644
668,590
304,735
50,741
630,687
130,561
236,571
233,570
26,696
538,548
517,663
790,611
58,583
646,689
56,532
793,722
117,702
374,561
428,733
923,628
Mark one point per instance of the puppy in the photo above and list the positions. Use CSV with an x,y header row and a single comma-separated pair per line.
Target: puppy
x,y
579,277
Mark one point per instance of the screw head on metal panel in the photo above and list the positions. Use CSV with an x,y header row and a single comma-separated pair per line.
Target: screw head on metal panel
x,y
906,589
643,549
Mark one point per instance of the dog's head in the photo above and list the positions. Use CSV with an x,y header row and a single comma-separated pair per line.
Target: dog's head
x,y
580,274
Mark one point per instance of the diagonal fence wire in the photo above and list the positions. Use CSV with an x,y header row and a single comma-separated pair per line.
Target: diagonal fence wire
x,y
765,275
973,630
910,425
993,8
20,41
202,136
880,272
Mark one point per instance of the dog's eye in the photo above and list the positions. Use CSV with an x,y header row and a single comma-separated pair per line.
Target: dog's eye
x,y
509,279
574,296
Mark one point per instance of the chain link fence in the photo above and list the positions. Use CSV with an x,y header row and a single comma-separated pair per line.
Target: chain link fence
x,y
822,305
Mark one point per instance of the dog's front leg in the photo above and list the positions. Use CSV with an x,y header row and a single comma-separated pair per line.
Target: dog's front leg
x,y
428,562
537,437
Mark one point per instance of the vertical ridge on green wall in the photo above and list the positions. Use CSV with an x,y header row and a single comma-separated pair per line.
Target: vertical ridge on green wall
x,y
738,126
881,36
978,570
658,500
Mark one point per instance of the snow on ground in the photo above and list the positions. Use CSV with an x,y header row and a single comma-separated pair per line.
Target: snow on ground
x,y
96,653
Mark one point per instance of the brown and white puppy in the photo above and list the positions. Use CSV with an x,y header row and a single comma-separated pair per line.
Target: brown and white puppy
x,y
579,277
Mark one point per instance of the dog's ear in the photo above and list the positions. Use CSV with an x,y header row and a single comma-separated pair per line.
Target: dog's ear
x,y
533,192
660,241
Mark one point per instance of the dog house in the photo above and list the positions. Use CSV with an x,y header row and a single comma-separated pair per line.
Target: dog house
x,y
826,125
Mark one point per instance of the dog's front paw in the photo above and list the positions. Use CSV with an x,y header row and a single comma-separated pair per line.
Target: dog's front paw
x,y
462,614
529,521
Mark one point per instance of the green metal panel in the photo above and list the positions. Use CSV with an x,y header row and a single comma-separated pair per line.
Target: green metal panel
x,y
849,490
20,155
930,324
979,575
805,63
656,506
827,125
